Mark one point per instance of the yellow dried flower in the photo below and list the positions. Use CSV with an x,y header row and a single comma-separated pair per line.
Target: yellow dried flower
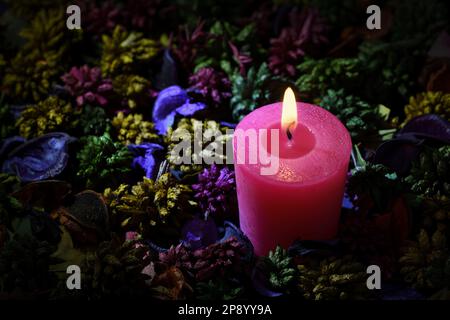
x,y
133,129
49,115
426,103
133,89
123,49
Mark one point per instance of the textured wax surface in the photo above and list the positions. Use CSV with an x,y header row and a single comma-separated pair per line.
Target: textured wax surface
x,y
331,145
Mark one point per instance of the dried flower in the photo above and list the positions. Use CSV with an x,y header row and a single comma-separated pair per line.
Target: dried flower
x,y
219,260
251,91
170,102
147,204
100,18
186,130
92,121
115,270
123,50
29,76
360,118
333,279
102,159
422,255
47,32
133,90
306,31
187,45
277,267
146,156
430,175
428,103
213,85
317,76
87,86
51,114
214,189
133,129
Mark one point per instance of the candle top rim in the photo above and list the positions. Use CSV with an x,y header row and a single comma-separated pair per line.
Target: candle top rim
x,y
331,151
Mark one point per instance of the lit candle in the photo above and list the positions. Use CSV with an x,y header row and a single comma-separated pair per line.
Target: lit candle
x,y
302,198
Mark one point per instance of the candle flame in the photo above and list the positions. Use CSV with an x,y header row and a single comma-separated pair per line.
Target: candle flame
x,y
289,111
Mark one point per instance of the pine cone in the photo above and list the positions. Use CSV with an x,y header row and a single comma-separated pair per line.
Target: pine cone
x,y
115,270
133,129
51,114
333,279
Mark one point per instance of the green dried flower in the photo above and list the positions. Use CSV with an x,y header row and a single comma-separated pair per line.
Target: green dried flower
x,y
133,90
430,174
390,69
278,266
122,50
254,90
218,290
93,120
102,159
29,76
360,118
421,258
317,76
426,103
374,183
51,114
115,270
133,129
333,279
149,204
192,131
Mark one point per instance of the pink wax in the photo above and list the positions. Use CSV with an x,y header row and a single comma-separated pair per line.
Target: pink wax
x,y
302,200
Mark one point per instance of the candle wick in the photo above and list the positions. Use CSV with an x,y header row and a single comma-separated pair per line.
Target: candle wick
x,y
288,132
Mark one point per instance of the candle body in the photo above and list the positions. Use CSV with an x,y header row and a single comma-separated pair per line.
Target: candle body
x,y
303,199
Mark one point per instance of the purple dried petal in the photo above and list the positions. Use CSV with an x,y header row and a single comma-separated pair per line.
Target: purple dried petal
x,y
199,233
429,126
40,158
170,101
145,157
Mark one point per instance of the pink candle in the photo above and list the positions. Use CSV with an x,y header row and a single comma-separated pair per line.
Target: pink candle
x,y
302,199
